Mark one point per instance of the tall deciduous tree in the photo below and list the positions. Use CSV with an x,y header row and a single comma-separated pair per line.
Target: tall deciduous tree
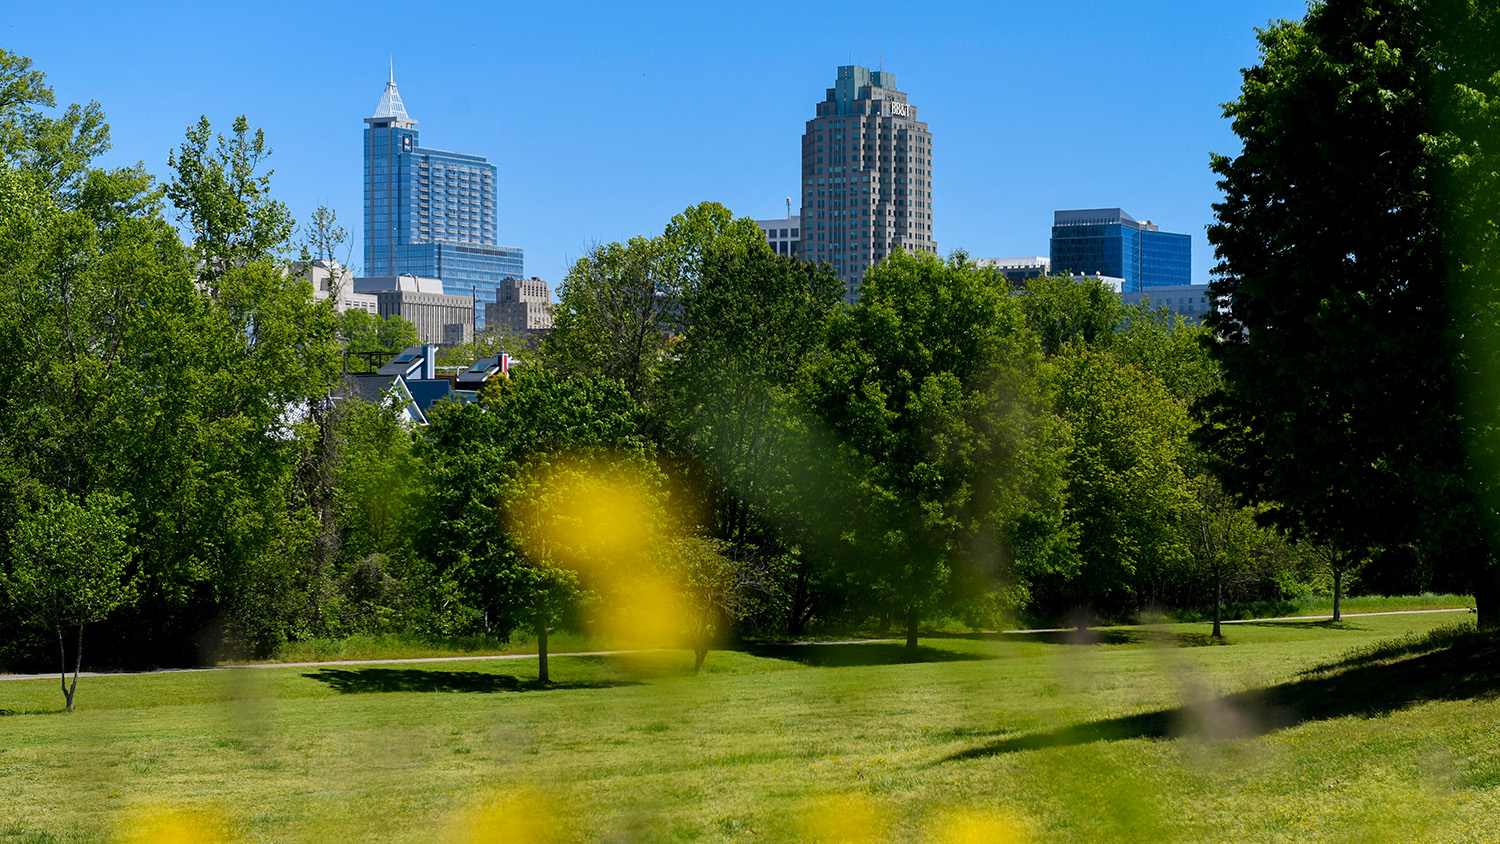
x,y
933,387
731,399
481,457
1341,240
622,303
1066,310
1126,491
156,374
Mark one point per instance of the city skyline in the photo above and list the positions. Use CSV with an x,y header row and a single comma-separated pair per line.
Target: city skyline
x,y
608,123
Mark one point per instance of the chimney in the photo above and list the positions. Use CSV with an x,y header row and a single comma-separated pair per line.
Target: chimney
x,y
429,361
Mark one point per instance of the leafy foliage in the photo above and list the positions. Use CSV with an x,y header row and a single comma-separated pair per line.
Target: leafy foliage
x,y
932,385
1342,238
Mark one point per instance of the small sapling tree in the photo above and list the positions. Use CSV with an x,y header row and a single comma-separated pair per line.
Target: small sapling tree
x,y
70,567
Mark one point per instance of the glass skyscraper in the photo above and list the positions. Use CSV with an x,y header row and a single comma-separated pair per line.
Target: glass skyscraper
x,y
1107,241
430,212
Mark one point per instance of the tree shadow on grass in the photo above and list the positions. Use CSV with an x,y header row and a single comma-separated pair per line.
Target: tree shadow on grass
x,y
852,654
1091,636
1320,624
1096,636
6,713
1447,667
372,680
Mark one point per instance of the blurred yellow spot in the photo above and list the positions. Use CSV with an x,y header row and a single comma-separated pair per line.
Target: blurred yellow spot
x,y
975,828
643,608
842,819
157,824
590,516
604,520
520,817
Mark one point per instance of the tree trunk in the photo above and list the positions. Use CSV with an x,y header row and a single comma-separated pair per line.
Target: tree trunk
x,y
62,661
541,638
1218,602
700,655
887,618
797,621
1486,585
912,617
1338,590
62,650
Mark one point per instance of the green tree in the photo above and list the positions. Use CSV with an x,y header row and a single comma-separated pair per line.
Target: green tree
x,y
1066,310
477,457
370,339
224,199
732,397
1345,330
933,387
70,568
133,376
1126,490
1223,539
55,150
323,237
621,304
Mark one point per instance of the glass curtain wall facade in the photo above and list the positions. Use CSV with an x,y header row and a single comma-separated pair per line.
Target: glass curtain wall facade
x,y
1109,242
430,212
866,176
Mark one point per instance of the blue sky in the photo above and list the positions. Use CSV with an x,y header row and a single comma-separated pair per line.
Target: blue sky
x,y
606,119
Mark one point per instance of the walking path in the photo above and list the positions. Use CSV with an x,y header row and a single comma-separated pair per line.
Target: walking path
x,y
422,659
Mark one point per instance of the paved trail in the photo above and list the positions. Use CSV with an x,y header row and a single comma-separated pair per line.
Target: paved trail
x,y
415,660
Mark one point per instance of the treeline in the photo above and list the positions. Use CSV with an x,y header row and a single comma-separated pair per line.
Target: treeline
x,y
710,440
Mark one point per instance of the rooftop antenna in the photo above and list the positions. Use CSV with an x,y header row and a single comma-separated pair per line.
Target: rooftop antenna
x,y
393,70
789,208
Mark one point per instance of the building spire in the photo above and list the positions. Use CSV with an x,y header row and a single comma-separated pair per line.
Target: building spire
x,y
390,101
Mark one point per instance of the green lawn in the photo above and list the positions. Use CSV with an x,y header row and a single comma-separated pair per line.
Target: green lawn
x,y
1005,737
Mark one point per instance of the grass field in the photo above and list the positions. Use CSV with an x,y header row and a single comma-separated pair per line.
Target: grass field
x,y
1294,731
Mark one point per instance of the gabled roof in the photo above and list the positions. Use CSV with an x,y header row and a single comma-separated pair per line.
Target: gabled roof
x,y
380,389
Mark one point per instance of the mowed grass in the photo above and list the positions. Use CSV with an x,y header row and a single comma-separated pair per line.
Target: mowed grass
x,y
1141,734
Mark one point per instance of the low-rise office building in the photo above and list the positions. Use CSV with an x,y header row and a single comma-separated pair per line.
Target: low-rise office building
x,y
1190,301
332,280
783,235
438,317
522,306
1017,269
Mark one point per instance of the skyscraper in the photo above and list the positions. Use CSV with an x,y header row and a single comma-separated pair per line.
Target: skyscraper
x,y
1107,241
866,176
429,212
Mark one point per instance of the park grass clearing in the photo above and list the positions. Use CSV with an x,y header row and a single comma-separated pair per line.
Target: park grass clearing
x,y
1369,730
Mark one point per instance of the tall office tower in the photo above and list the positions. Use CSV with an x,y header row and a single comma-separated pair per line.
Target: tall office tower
x,y
866,176
429,212
1107,241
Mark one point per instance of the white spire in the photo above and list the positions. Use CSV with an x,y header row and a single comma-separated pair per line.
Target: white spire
x,y
390,101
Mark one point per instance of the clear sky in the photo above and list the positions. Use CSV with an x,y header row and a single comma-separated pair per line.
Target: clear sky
x,y
606,119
